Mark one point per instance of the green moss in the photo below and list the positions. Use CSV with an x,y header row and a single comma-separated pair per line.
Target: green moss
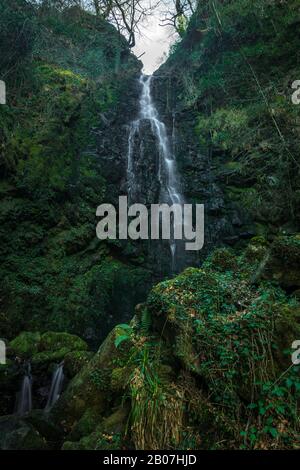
x,y
94,436
55,274
236,337
74,361
89,388
52,341
47,357
26,344
86,425
222,259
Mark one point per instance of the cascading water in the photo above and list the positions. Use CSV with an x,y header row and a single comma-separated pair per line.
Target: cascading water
x,y
167,171
56,386
24,397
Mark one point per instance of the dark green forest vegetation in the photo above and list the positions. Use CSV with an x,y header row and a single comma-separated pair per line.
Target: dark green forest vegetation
x,y
54,274
198,359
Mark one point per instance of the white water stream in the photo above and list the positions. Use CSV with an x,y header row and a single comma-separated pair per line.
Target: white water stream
x,y
167,170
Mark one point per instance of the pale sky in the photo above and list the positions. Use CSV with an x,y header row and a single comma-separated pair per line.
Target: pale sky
x,y
155,41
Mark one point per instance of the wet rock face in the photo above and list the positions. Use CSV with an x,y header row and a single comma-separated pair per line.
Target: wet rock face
x,y
145,160
117,133
201,177
112,140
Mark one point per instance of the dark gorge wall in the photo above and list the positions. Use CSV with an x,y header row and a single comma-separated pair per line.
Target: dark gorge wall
x,y
202,181
63,151
228,86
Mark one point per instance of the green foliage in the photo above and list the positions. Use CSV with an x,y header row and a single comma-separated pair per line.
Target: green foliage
x,y
146,321
17,36
125,332
101,378
236,338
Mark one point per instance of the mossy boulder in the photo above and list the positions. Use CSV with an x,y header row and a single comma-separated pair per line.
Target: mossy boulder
x,y
222,259
46,347
74,361
26,344
105,436
287,330
53,341
90,388
255,252
16,434
51,347
45,358
44,426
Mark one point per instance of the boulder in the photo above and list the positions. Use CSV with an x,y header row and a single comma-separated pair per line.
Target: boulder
x,y
90,388
74,361
26,344
53,341
16,434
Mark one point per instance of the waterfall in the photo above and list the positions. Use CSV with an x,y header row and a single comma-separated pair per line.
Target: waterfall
x,y
56,386
167,170
24,397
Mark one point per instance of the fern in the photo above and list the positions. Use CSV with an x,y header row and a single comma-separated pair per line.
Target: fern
x,y
124,334
146,321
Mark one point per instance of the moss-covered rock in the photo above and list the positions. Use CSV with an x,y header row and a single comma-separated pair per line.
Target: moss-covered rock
x,y
90,388
46,347
26,344
222,259
15,434
236,337
74,361
53,341
44,352
85,425
55,274
44,426
45,358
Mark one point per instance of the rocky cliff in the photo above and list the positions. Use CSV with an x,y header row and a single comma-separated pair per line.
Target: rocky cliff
x,y
226,89
63,149
204,360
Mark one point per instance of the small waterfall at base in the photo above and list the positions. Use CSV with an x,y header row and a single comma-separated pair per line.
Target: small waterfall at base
x,y
24,397
56,386
167,170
